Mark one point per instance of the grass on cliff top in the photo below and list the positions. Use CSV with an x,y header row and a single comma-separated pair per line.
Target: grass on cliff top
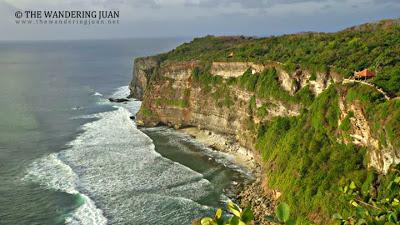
x,y
374,46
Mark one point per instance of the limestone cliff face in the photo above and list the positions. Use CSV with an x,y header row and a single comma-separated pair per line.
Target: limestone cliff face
x,y
142,71
235,69
380,156
174,99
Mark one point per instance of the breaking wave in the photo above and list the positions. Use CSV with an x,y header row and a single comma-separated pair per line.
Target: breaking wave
x,y
119,176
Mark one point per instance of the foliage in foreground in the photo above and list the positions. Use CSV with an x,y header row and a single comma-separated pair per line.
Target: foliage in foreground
x,y
282,215
377,204
245,217
373,207
239,216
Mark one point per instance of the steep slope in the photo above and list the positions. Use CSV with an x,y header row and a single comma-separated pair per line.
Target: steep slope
x,y
314,131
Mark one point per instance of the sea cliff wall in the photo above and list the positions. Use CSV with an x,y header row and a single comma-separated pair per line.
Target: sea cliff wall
x,y
301,124
171,96
143,68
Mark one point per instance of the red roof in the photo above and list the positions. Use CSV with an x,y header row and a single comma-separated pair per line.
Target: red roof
x,y
365,73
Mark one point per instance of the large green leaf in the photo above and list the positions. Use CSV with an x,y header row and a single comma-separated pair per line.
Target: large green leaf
x,y
234,221
282,212
392,217
247,215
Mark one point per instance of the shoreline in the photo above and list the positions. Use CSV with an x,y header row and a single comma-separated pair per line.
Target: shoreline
x,y
255,194
241,156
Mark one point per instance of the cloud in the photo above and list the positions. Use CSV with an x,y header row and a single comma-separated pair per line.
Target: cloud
x,y
387,1
155,18
78,4
249,3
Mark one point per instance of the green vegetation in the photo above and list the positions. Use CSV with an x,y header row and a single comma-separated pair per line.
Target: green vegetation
x,y
306,162
374,203
182,103
214,85
264,85
378,112
202,76
244,217
262,111
345,125
145,111
305,156
374,46
282,215
239,216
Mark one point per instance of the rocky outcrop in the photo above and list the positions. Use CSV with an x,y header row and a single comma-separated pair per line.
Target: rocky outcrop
x,y
380,156
118,100
235,69
290,82
293,82
143,69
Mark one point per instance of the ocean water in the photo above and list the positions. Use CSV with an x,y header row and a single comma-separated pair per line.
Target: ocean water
x,y
69,156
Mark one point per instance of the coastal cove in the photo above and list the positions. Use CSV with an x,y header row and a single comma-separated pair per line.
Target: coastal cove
x,y
292,129
78,158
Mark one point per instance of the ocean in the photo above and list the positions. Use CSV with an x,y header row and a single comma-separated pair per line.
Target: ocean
x,y
69,156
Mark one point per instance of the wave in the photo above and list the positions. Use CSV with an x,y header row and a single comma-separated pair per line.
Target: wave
x,y
121,92
114,167
55,174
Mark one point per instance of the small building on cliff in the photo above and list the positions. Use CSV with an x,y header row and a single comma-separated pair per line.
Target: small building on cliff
x,y
364,74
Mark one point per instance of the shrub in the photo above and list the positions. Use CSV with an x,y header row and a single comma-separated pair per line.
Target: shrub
x,y
238,217
371,207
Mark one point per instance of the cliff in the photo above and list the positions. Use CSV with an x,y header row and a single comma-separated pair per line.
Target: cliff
x,y
176,98
143,69
313,128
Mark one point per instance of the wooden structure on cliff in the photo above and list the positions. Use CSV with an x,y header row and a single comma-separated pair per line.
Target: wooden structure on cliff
x,y
364,74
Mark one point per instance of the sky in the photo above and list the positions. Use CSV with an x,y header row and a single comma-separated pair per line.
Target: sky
x,y
193,18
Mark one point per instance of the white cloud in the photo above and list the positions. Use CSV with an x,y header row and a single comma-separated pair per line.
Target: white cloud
x,y
200,17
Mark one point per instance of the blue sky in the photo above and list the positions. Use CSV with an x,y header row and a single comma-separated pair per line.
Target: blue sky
x,y
190,18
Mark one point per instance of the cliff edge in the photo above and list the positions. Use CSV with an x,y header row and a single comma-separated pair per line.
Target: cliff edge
x,y
290,103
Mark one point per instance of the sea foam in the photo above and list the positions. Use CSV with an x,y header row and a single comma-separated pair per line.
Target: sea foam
x,y
116,170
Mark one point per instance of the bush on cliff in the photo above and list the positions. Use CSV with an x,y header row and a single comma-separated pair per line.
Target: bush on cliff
x,y
376,203
307,164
